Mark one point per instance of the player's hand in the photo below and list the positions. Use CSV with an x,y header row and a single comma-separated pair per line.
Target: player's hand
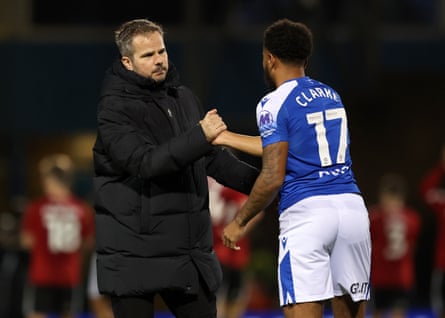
x,y
212,125
232,233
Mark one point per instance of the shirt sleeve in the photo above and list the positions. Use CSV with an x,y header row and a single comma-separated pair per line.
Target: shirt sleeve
x,y
139,154
272,119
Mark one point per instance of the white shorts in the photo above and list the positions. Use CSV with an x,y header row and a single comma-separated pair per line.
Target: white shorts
x,y
325,249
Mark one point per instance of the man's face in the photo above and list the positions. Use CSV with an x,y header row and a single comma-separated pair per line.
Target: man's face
x,y
266,69
150,58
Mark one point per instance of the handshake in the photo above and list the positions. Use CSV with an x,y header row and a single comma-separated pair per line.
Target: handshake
x,y
212,125
217,134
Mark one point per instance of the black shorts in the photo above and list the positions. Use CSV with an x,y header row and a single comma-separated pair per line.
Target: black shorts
x,y
55,300
391,298
438,290
232,284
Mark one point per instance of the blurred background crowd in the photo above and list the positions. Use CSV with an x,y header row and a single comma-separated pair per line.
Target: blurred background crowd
x,y
385,58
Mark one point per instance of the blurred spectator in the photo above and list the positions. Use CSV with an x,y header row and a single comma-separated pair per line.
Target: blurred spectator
x,y
233,296
100,304
13,260
56,229
395,228
432,189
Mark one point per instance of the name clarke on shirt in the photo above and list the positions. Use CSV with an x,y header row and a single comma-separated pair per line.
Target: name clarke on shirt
x,y
309,95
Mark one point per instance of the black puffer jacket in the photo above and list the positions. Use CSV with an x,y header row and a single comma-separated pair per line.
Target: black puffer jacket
x,y
151,160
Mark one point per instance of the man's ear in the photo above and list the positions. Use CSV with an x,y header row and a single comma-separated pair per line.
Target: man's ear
x,y
271,60
126,61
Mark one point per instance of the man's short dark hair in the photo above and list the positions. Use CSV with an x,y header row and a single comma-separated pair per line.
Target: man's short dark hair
x,y
125,33
290,41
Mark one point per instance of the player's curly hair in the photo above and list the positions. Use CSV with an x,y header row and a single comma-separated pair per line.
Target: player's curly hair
x,y
124,34
290,41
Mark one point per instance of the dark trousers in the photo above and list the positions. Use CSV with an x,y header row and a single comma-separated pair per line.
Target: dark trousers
x,y
202,305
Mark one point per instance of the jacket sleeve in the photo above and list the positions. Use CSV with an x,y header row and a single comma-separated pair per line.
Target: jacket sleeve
x,y
230,171
134,152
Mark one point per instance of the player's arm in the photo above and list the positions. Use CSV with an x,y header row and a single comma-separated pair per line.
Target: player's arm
x,y
253,222
264,191
245,143
256,219
28,223
26,240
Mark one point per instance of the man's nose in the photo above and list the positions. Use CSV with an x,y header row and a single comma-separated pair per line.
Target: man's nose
x,y
159,59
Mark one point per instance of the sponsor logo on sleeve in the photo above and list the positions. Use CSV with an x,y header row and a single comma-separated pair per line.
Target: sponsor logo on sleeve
x,y
266,123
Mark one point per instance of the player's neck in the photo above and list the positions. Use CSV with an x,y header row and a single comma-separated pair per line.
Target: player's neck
x,y
59,196
289,73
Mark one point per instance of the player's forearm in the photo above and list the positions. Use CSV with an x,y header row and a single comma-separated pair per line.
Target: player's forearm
x,y
263,193
245,143
268,183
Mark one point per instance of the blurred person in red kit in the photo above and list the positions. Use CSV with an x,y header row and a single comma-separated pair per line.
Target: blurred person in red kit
x,y
57,229
233,296
395,228
432,189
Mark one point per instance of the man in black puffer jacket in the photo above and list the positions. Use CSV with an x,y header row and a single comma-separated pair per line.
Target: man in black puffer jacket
x,y
152,155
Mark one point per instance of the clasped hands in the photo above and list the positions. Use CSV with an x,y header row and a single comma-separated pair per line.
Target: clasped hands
x,y
213,125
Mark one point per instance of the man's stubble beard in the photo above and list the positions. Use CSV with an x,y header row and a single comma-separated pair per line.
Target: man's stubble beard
x,y
268,80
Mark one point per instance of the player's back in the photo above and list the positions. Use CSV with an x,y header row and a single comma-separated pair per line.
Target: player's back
x,y
310,116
